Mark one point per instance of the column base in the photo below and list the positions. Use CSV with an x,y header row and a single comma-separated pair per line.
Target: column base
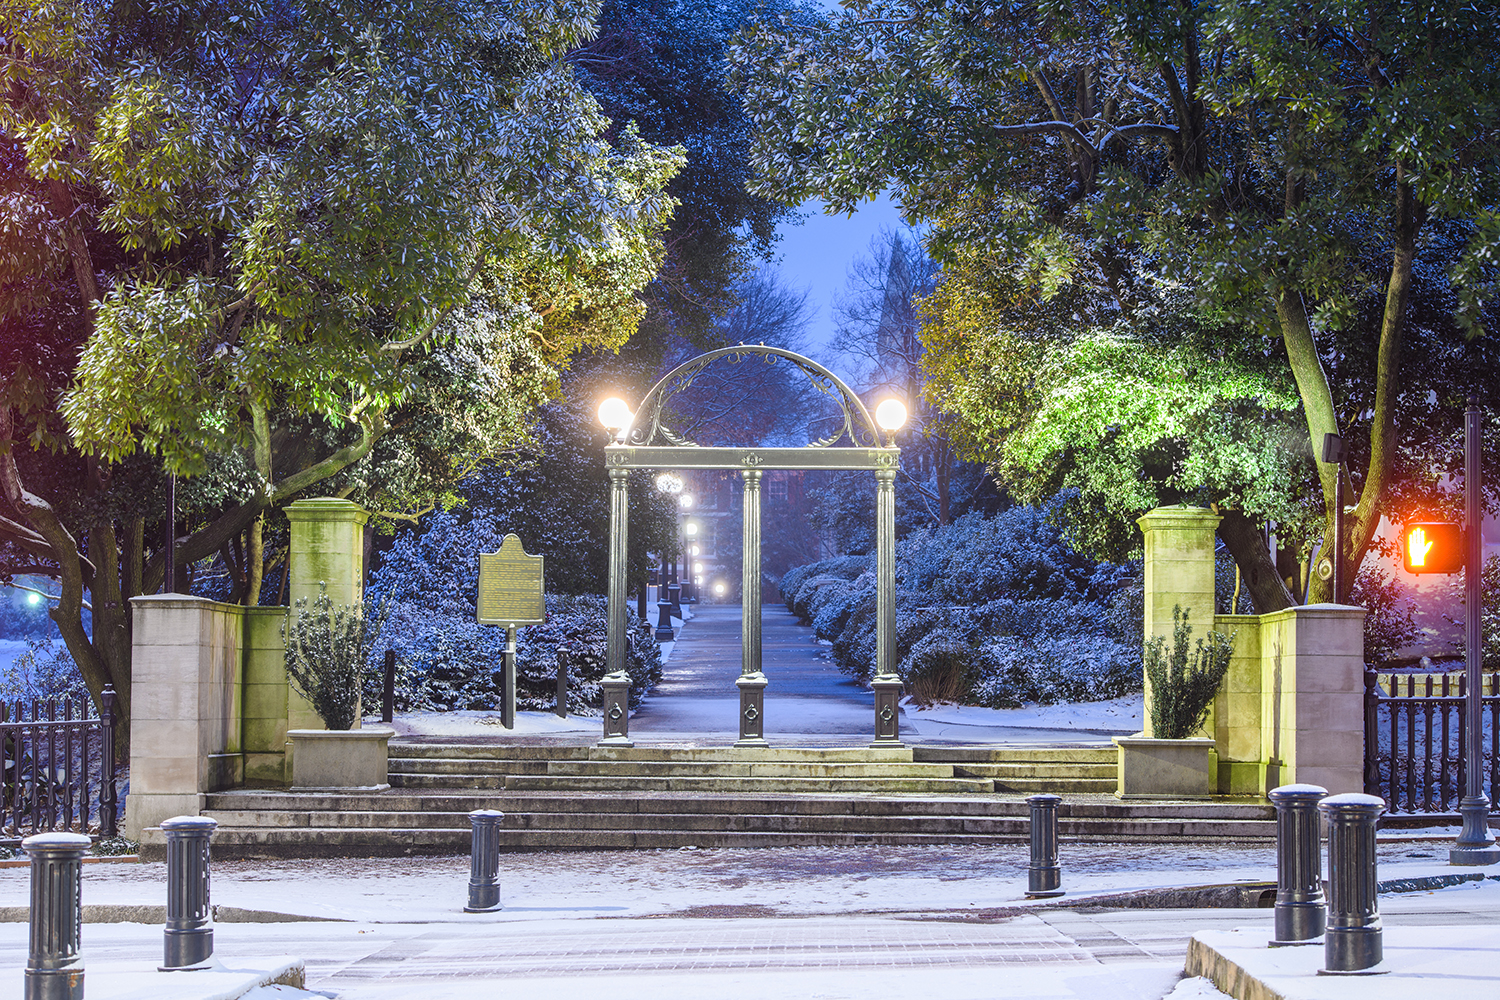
x,y
887,689
616,711
752,710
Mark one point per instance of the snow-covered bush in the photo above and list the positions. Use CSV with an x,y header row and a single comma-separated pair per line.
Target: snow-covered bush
x,y
995,609
446,660
942,667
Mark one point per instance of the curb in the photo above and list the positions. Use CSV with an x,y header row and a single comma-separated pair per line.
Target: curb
x,y
132,913
1426,883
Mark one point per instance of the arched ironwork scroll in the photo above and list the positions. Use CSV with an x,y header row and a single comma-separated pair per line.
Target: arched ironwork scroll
x,y
648,429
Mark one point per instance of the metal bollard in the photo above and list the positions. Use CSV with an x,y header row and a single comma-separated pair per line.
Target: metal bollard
x,y
1043,877
1352,940
562,681
484,861
388,688
664,631
188,942
54,967
1300,914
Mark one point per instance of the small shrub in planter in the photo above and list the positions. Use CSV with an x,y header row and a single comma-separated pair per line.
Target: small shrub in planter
x,y
326,649
1183,683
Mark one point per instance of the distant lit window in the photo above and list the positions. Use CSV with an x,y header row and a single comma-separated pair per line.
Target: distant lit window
x,y
776,490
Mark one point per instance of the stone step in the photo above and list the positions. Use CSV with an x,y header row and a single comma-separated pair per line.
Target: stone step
x,y
315,841
477,782
1104,807
504,751
464,766
677,783
355,818
1083,753
1009,771
744,769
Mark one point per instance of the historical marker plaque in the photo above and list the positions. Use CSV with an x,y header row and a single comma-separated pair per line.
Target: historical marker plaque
x,y
510,586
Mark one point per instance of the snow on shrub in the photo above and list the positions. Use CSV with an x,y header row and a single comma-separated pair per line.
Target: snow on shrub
x,y
996,610
446,660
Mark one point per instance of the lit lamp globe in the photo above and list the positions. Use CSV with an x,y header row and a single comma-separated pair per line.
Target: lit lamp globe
x,y
685,501
615,415
690,528
891,415
669,482
718,590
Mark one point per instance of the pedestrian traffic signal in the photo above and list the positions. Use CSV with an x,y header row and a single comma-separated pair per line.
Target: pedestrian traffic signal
x,y
1433,547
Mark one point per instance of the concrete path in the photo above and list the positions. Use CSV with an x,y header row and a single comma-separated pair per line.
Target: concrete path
x,y
808,702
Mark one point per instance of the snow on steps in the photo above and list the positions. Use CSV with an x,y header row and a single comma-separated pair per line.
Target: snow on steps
x,y
667,797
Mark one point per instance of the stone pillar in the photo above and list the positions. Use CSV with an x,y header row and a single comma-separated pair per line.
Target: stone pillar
x,y
186,689
327,549
886,682
1313,696
1179,571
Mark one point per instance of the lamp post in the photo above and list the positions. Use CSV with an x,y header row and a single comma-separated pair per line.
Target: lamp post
x,y
891,416
689,532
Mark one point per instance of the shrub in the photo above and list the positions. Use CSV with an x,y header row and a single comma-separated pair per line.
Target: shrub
x,y
941,668
1183,684
326,649
446,663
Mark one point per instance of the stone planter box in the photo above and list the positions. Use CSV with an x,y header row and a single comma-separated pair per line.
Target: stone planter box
x,y
1163,769
326,760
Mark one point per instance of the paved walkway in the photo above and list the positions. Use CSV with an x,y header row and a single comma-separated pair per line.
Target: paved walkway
x,y
808,699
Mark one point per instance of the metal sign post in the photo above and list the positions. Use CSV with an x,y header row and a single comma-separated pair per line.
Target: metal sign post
x,y
1475,844
510,594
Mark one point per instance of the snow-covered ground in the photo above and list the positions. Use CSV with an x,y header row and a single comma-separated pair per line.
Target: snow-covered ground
x,y
1119,715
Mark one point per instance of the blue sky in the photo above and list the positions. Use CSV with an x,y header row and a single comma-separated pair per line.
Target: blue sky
x,y
814,256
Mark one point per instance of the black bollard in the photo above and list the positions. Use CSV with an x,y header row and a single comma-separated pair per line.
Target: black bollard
x,y
1352,940
189,938
54,967
1043,877
562,681
484,861
1300,914
388,688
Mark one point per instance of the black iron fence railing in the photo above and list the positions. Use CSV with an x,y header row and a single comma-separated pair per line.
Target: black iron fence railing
x,y
59,768
1415,741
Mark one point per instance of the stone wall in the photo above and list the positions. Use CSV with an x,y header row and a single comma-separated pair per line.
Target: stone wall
x,y
211,704
1291,708
185,736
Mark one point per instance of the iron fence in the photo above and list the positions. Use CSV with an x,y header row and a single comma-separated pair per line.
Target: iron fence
x,y
1415,741
59,768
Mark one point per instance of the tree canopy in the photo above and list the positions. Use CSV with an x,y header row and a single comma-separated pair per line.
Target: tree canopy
x,y
1279,165
290,248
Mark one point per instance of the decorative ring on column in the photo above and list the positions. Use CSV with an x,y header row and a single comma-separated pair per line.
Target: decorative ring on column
x,y
615,713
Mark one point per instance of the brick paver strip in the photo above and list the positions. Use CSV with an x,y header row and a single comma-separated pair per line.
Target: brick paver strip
x,y
740,944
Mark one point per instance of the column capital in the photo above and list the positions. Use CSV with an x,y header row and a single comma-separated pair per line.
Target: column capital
x,y
326,509
1200,518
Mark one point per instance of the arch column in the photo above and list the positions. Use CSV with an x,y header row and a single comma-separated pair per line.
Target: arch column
x,y
752,680
886,682
617,678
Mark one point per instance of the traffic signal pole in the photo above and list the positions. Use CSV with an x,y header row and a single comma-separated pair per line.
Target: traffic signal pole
x,y
1475,845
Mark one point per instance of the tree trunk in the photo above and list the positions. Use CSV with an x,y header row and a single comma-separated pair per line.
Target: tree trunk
x,y
1246,542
